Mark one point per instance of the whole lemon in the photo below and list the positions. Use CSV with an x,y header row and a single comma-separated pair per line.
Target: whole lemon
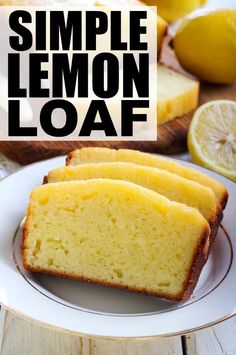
x,y
205,45
172,10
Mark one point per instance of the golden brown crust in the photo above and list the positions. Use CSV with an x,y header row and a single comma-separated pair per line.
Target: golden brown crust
x,y
224,199
70,157
45,179
199,261
25,232
214,224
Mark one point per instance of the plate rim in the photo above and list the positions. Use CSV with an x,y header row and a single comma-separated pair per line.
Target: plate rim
x,y
117,338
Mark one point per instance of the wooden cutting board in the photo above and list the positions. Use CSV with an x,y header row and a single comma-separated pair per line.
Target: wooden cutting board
x,y
171,136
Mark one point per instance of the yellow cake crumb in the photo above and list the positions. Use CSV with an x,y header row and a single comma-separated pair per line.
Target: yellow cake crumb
x,y
161,181
97,155
115,233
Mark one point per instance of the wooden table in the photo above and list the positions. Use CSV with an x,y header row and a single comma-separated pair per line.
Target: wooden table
x,y
20,337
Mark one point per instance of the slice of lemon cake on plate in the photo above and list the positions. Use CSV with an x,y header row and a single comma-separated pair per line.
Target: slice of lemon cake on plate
x,y
172,186
117,234
97,155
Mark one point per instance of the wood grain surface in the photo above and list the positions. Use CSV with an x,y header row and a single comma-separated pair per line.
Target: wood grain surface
x,y
171,136
18,336
24,338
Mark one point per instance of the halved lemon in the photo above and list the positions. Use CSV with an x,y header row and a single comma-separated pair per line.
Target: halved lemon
x,y
212,137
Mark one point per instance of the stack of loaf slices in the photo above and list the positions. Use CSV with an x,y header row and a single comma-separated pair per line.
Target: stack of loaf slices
x,y
125,219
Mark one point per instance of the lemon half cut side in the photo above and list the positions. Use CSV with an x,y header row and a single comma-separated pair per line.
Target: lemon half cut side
x,y
212,137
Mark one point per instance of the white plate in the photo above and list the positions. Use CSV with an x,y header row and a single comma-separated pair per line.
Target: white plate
x,y
99,311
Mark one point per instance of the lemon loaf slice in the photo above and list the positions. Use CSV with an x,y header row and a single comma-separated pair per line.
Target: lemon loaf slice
x,y
161,181
96,155
176,94
115,233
